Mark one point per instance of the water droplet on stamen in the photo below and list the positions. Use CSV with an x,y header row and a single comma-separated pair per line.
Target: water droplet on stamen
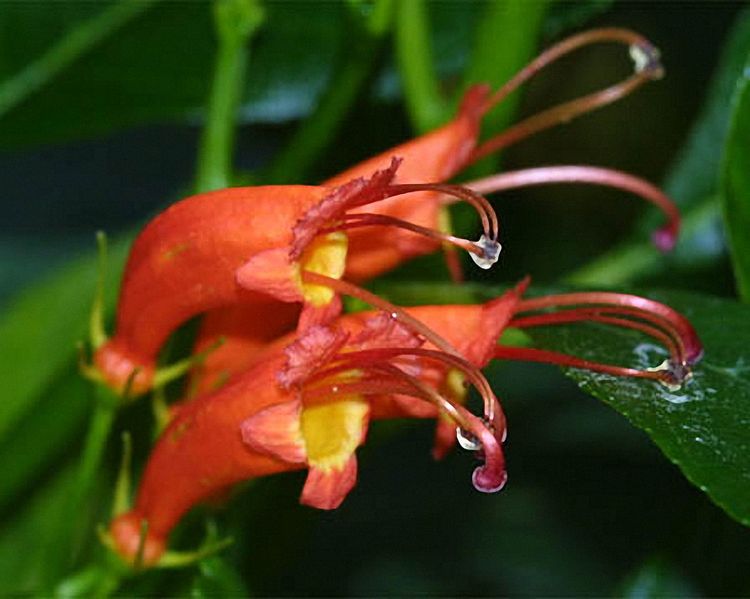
x,y
466,440
646,58
679,373
490,252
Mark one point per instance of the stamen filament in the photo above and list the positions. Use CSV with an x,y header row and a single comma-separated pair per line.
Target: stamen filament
x,y
387,378
490,477
490,223
600,315
357,359
416,326
664,238
527,354
647,67
352,221
654,312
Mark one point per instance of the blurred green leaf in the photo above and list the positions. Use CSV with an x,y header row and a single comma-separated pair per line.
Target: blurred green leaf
x,y
695,175
563,15
693,183
216,578
704,428
40,328
506,38
81,37
656,578
43,435
21,552
736,183
119,84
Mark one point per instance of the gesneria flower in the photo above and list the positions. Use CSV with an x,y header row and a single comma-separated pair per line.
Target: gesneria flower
x,y
249,246
307,401
441,155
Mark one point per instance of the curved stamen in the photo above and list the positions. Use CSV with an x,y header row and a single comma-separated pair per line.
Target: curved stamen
x,y
356,359
647,309
416,326
488,478
490,223
527,354
664,238
491,476
646,68
600,315
352,221
687,349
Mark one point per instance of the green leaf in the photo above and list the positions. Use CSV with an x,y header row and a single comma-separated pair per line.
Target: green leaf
x,y
84,35
704,428
216,578
505,39
657,578
736,183
40,328
37,440
21,549
119,85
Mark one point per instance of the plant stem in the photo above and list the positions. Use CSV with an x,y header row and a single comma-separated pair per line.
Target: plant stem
x,y
505,40
65,541
236,22
361,49
426,106
67,50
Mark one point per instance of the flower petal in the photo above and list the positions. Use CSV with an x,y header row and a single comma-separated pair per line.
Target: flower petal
x,y
309,352
276,431
272,272
480,342
319,315
356,192
326,489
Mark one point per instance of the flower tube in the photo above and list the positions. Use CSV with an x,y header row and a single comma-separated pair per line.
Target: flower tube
x,y
307,401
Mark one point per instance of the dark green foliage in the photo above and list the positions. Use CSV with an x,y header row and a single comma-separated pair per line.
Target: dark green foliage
x,y
593,506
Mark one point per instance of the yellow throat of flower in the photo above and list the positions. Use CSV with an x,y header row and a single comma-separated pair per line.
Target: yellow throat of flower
x,y
326,255
333,431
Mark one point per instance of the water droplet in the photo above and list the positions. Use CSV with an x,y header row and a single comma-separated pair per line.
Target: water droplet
x,y
490,252
466,440
646,58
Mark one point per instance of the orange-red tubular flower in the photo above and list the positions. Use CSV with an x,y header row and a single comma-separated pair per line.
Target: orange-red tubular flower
x,y
439,156
307,401
249,246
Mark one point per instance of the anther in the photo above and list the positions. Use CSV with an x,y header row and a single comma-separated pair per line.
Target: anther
x,y
676,373
490,252
646,59
466,440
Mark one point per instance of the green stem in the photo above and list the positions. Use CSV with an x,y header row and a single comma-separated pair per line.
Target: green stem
x,y
65,542
300,154
67,50
505,40
236,21
426,105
